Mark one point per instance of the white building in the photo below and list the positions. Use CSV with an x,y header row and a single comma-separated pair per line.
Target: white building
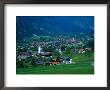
x,y
39,49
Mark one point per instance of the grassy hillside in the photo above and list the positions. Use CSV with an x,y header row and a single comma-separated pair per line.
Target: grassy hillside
x,y
78,68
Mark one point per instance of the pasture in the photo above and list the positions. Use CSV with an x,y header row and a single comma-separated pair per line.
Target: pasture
x,y
78,68
83,65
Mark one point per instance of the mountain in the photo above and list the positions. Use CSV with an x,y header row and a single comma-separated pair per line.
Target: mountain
x,y
27,26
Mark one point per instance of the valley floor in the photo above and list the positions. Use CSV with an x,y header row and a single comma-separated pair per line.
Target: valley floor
x,y
77,68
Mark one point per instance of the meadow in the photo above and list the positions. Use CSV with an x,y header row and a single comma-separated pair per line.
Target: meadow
x,y
79,68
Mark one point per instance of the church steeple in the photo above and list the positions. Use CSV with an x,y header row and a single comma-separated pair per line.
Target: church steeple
x,y
39,49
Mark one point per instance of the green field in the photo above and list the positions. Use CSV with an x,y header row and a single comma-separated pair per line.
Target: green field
x,y
78,68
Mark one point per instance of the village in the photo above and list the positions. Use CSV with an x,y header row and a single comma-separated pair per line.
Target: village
x,y
47,51
54,45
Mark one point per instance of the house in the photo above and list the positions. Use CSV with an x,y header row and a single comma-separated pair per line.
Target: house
x,y
59,50
82,51
67,60
23,55
46,54
33,53
54,62
39,62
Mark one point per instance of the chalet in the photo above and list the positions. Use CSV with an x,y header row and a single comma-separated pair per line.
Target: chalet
x,y
65,60
82,51
46,54
23,55
34,53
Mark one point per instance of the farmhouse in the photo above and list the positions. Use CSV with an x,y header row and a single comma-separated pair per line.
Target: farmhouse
x,y
46,54
66,60
23,55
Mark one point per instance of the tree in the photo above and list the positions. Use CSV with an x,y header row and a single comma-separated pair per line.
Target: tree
x,y
56,54
48,49
90,44
63,48
20,64
33,61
